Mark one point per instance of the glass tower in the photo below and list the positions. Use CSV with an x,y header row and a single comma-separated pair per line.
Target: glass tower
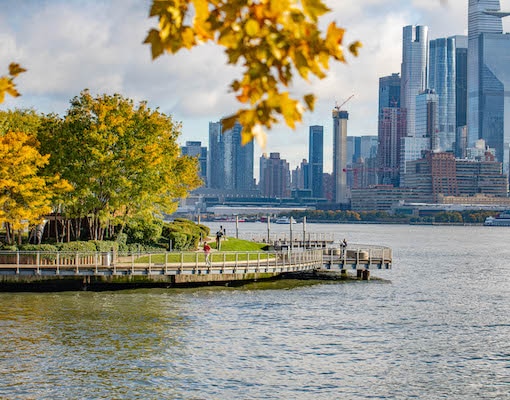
x,y
415,51
442,80
315,160
488,77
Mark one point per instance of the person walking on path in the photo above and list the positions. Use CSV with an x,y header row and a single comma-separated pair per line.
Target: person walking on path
x,y
207,251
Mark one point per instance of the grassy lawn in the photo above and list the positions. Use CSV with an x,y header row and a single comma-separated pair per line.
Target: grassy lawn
x,y
227,253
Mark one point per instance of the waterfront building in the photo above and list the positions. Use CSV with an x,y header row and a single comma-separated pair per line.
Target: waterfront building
x,y
340,119
488,77
442,79
195,149
274,176
378,198
415,52
316,161
230,164
441,174
412,148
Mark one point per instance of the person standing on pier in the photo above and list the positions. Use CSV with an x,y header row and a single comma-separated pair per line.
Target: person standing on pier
x,y
219,234
343,245
207,251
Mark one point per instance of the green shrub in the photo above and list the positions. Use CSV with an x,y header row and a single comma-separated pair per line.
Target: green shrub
x,y
38,247
77,246
106,245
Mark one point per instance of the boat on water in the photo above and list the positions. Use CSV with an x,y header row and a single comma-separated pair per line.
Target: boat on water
x,y
284,220
503,219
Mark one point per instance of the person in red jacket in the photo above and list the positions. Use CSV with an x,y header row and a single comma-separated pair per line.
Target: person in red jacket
x,y
207,251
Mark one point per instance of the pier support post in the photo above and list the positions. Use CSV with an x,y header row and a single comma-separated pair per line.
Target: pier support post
x,y
366,275
359,273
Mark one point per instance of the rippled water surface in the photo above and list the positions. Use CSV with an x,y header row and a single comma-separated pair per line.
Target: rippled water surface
x,y
436,327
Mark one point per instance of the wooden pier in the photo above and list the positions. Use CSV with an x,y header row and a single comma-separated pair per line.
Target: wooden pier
x,y
183,268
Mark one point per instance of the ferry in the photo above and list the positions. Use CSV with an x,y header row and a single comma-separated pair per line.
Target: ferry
x,y
284,220
503,219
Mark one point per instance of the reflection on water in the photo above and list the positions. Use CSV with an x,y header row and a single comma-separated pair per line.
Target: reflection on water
x,y
438,330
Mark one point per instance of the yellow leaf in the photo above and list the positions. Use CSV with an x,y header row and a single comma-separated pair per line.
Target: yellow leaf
x,y
15,69
310,101
314,8
252,27
188,38
354,47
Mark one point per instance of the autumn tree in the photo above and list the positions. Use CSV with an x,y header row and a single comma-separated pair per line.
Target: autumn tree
x,y
271,39
26,195
122,160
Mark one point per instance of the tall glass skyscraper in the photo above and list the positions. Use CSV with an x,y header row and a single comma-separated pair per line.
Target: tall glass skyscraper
x,y
442,81
315,160
488,77
415,52
230,165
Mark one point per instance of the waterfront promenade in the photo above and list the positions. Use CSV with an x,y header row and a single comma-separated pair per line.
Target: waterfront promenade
x,y
184,268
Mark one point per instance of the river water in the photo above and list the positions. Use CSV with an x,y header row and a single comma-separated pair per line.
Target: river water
x,y
436,326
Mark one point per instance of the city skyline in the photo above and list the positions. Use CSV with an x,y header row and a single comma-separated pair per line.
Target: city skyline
x,y
72,45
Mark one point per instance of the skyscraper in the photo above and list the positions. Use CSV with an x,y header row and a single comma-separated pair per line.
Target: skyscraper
x,y
488,77
392,126
389,91
274,176
315,159
195,149
427,121
442,81
479,22
230,165
415,51
340,155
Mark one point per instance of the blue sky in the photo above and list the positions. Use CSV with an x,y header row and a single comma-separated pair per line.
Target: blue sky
x,y
70,45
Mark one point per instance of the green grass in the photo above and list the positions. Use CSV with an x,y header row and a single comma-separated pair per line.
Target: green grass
x,y
233,244
227,246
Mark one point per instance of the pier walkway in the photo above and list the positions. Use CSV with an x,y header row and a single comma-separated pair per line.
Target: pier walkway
x,y
177,268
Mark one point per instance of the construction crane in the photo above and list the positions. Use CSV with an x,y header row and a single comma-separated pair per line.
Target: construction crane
x,y
339,107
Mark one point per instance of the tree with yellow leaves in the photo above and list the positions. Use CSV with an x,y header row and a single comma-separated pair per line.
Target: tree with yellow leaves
x,y
122,160
25,195
270,39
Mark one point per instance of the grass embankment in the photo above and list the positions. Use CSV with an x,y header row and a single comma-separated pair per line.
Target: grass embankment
x,y
228,249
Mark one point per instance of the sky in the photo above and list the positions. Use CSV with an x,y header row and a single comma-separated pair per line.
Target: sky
x,y
70,45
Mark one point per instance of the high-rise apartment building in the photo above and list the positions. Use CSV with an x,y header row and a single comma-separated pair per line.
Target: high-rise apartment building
x,y
195,149
415,51
230,165
274,176
340,119
316,160
442,80
392,126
